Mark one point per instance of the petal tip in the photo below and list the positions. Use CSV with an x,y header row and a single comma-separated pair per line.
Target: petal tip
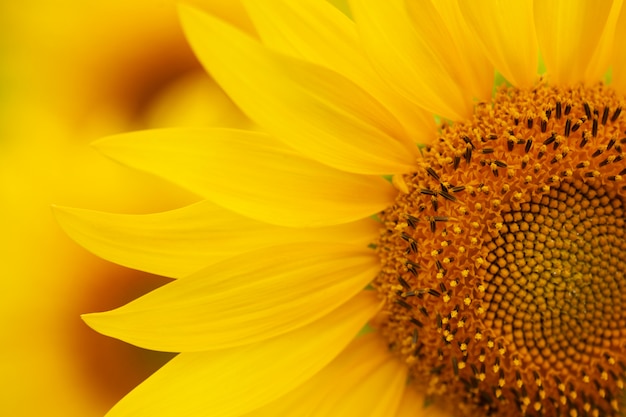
x,y
91,320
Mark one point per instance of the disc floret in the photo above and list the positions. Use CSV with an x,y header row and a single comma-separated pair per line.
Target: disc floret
x,y
504,257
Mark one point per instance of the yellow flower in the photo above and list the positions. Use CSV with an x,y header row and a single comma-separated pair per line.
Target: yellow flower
x,y
70,74
492,275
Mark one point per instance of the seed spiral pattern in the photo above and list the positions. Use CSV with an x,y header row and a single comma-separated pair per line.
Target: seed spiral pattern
x,y
504,258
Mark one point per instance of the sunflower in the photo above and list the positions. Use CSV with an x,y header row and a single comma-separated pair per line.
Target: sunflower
x,y
335,267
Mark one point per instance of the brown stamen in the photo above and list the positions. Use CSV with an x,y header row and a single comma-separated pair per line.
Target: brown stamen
x,y
520,277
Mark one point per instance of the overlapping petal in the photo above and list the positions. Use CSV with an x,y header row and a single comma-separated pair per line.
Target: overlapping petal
x,y
243,300
179,242
618,58
252,174
569,32
231,11
318,32
412,67
365,380
307,29
441,23
599,62
507,32
315,110
233,382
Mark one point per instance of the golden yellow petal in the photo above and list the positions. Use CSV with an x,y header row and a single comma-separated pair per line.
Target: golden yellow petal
x,y
194,100
233,382
312,30
311,108
318,32
252,174
179,242
231,11
618,58
242,300
413,67
439,23
568,32
601,59
365,380
507,32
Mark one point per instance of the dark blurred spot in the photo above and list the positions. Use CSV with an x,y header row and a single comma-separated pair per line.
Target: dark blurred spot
x,y
112,368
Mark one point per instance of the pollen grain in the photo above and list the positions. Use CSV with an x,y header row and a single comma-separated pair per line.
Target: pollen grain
x,y
504,258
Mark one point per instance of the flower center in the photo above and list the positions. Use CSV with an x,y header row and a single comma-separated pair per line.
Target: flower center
x,y
503,258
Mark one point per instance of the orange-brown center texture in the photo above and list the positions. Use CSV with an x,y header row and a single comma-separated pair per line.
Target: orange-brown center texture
x,y
504,258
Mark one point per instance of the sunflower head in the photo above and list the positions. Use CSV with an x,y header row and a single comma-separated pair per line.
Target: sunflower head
x,y
499,253
503,257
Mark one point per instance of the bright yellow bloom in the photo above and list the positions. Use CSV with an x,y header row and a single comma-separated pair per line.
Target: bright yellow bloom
x,y
496,280
71,73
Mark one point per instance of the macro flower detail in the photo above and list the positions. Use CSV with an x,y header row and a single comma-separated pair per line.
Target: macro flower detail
x,y
484,277
503,259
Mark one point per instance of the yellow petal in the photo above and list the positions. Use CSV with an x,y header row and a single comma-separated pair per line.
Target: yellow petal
x,y
193,100
312,30
619,54
318,32
231,11
507,32
232,382
314,110
365,380
243,300
413,404
569,32
602,57
252,174
411,66
439,23
178,242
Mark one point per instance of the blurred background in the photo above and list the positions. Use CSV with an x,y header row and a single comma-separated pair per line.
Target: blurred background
x,y
73,71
